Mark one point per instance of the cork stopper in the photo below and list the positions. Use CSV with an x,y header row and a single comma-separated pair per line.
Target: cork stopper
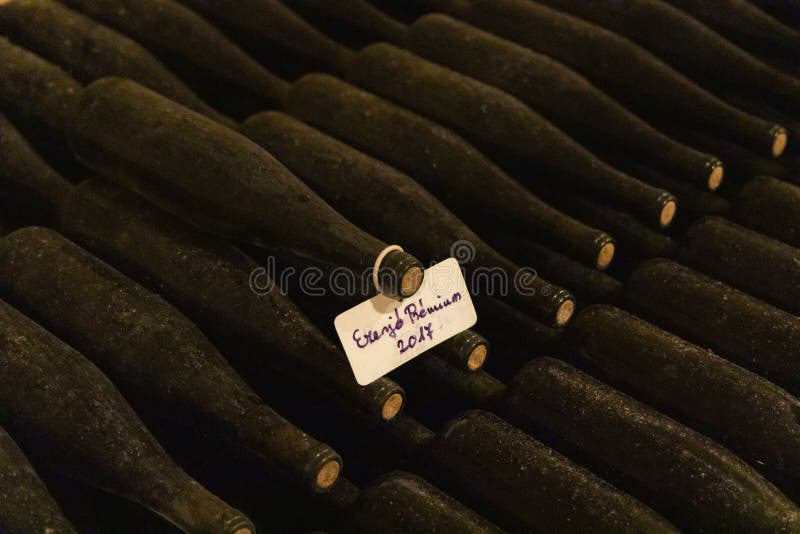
x,y
400,274
477,357
411,281
241,530
779,141
392,406
715,178
328,475
565,311
605,255
668,213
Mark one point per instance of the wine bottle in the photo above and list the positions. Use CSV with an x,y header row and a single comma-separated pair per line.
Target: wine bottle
x,y
694,202
742,163
746,260
466,350
745,24
21,72
634,239
26,505
374,195
617,65
751,416
59,34
502,123
30,187
90,433
523,484
220,181
404,502
786,12
274,21
159,360
697,483
357,14
221,290
561,95
441,161
740,327
771,207
589,285
171,29
700,52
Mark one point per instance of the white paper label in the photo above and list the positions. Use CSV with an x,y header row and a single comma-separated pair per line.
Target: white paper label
x,y
382,333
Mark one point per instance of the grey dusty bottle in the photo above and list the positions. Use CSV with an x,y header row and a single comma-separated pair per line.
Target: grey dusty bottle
x,y
441,161
748,414
737,326
89,432
616,65
220,181
162,363
375,195
26,505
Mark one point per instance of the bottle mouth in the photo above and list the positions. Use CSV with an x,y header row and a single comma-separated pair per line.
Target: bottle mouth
x,y
477,357
392,406
667,214
779,141
410,281
328,475
240,525
565,310
716,175
605,255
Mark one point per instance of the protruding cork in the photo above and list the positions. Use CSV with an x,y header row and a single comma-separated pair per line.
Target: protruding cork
x,y
605,255
477,357
565,311
392,406
327,476
400,275
668,213
780,139
715,178
411,281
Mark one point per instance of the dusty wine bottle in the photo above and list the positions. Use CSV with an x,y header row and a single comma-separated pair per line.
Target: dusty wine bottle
x,y
617,65
91,433
501,122
743,163
23,71
466,350
26,505
560,94
441,161
634,239
403,502
58,33
740,327
694,202
30,187
744,23
225,292
357,14
525,483
748,414
168,367
370,193
589,284
786,12
170,28
744,259
274,21
700,51
221,181
691,478
771,207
